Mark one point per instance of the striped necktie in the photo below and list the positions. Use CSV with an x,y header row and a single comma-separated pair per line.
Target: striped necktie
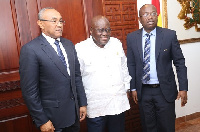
x,y
60,54
146,60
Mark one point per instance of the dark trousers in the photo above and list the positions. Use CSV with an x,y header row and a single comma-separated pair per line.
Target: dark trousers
x,y
73,128
157,115
113,123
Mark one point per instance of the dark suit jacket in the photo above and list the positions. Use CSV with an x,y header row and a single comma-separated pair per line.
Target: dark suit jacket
x,y
49,92
167,51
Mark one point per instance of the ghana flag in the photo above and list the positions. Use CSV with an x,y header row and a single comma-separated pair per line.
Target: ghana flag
x,y
156,3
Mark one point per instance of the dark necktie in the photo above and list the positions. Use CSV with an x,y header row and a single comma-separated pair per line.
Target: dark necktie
x,y
146,60
60,54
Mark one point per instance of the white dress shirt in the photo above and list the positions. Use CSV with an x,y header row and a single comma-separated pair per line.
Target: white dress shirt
x,y
153,71
51,42
105,77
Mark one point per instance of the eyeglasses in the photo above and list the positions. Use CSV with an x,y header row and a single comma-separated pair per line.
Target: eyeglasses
x,y
146,14
54,21
101,30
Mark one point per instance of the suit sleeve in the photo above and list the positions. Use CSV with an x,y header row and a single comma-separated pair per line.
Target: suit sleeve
x,y
179,63
29,82
131,62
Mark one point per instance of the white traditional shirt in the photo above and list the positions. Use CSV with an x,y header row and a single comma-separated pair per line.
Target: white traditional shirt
x,y
105,77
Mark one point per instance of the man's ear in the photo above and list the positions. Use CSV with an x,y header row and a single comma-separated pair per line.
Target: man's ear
x,y
40,24
91,30
139,19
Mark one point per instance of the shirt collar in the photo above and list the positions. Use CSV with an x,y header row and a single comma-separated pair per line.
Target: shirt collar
x,y
153,32
49,39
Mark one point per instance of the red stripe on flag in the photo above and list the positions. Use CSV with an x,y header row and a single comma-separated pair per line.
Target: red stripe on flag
x,y
156,3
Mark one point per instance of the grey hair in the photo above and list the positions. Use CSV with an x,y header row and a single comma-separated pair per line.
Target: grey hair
x,y
42,11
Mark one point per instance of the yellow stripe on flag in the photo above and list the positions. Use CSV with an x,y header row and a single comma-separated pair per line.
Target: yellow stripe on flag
x,y
159,21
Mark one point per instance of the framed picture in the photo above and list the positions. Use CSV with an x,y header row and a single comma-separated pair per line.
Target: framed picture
x,y
179,16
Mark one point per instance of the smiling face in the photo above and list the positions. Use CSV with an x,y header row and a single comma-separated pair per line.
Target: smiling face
x,y
147,18
100,31
50,28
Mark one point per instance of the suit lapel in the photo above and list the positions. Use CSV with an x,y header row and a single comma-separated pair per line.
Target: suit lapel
x,y
139,44
51,53
159,41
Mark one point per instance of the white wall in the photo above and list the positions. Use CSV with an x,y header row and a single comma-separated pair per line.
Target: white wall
x,y
191,53
192,57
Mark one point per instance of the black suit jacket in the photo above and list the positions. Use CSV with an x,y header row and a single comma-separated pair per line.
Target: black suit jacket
x,y
167,51
49,92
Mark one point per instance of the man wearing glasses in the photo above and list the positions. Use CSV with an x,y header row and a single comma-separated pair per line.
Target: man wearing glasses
x,y
150,53
105,78
50,76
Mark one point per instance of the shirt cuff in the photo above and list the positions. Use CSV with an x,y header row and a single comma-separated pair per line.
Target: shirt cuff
x,y
133,89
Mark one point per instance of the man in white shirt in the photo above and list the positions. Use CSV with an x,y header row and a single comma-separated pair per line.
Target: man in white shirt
x,y
105,78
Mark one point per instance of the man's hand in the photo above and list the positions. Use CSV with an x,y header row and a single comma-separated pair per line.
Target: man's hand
x,y
47,127
83,112
183,96
134,96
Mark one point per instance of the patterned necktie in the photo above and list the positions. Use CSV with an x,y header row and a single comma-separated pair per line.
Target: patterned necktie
x,y
146,60
60,54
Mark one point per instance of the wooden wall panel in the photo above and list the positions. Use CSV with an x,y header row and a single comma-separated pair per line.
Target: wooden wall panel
x,y
32,11
9,58
122,15
72,12
91,9
23,22
12,105
19,124
132,120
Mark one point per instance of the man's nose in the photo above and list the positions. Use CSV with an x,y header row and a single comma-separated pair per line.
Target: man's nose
x,y
149,16
59,23
104,32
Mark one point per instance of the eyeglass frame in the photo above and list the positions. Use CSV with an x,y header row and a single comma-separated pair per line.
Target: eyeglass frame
x,y
54,21
147,14
101,30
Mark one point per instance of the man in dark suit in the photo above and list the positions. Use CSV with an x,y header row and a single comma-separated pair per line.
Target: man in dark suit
x,y
150,53
50,76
